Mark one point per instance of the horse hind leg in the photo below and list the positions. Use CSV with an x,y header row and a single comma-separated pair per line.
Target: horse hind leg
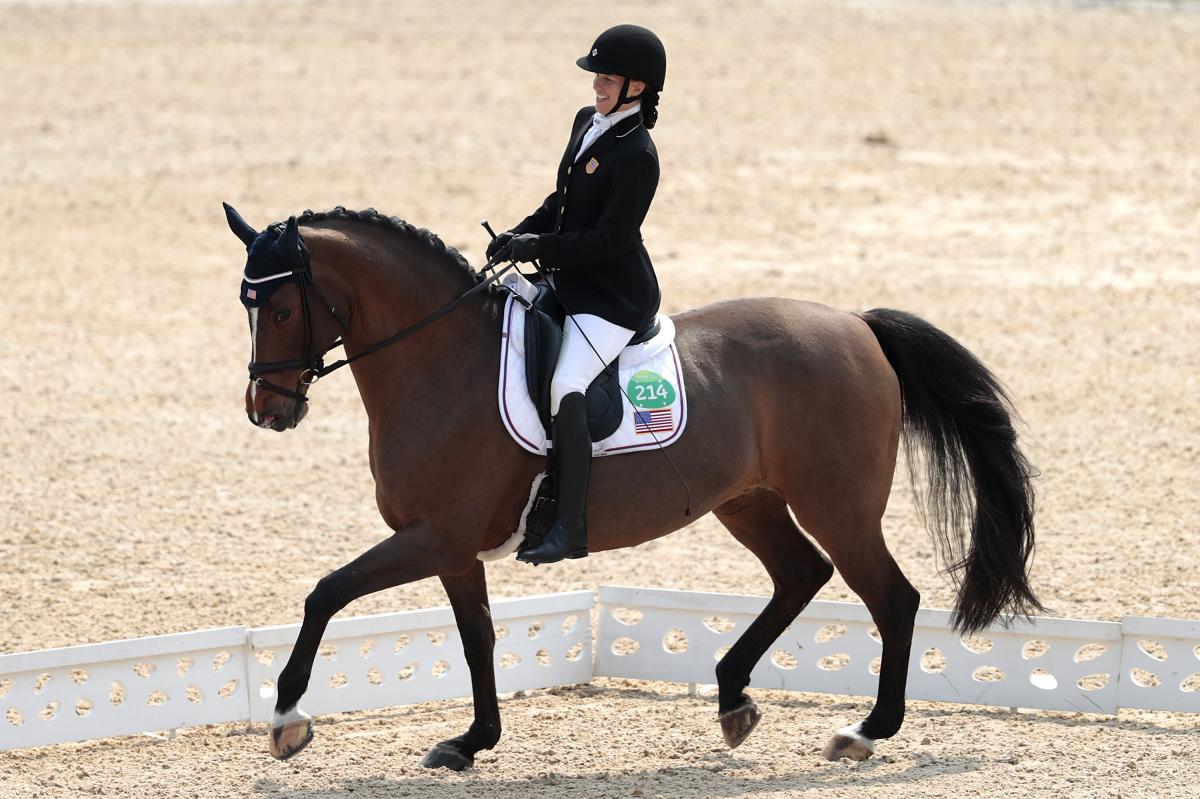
x,y
870,571
760,521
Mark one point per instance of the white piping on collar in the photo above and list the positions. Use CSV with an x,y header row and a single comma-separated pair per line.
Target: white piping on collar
x,y
631,130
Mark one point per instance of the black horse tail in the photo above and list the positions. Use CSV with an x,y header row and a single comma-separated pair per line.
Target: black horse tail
x,y
958,413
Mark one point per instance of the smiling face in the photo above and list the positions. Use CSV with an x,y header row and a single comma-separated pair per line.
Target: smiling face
x,y
608,89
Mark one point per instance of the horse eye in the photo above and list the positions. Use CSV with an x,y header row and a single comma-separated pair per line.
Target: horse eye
x,y
282,316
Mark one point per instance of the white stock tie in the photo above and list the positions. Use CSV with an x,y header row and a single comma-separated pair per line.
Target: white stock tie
x,y
600,124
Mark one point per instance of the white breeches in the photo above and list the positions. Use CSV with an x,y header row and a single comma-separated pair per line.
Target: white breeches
x,y
578,363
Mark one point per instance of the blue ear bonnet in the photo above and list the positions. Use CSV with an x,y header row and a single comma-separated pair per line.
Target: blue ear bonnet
x,y
270,263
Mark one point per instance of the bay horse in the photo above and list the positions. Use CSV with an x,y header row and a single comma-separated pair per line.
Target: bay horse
x,y
793,406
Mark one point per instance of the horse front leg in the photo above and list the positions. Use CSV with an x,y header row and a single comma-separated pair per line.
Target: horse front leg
x,y
411,553
469,598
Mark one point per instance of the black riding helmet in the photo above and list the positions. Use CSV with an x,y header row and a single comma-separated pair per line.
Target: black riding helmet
x,y
631,51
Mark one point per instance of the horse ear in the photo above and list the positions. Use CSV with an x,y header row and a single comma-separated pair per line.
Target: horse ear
x,y
240,227
289,240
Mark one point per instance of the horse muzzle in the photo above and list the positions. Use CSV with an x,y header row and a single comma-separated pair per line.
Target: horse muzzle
x,y
270,411
279,423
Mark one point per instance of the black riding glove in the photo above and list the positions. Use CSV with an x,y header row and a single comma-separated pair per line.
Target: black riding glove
x,y
497,243
523,247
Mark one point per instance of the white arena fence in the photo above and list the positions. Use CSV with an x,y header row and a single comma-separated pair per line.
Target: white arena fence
x,y
227,675
833,648
166,682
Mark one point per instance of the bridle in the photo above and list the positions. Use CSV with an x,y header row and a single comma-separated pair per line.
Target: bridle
x,y
312,364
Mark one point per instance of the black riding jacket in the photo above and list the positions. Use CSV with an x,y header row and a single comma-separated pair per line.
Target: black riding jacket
x,y
590,227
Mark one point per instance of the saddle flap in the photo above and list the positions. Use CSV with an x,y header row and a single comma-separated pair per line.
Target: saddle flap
x,y
543,342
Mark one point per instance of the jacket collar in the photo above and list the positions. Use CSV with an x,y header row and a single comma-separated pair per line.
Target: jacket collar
x,y
606,141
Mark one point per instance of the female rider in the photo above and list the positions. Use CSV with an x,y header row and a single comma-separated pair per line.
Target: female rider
x,y
587,235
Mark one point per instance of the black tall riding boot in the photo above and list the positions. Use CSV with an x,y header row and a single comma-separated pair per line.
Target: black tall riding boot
x,y
573,453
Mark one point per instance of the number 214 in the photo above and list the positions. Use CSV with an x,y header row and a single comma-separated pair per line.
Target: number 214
x,y
649,392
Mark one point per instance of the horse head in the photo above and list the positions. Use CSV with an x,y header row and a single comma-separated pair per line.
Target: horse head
x,y
287,341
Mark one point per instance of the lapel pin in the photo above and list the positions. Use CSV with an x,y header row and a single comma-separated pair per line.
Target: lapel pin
x,y
591,166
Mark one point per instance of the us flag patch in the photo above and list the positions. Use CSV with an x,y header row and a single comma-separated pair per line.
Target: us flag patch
x,y
659,421
251,294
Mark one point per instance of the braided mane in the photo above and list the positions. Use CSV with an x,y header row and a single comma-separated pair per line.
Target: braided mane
x,y
395,224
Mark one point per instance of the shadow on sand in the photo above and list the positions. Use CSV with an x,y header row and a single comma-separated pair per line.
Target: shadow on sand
x,y
704,778
707,775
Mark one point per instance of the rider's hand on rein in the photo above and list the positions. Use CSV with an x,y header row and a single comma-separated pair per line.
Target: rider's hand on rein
x,y
498,243
522,248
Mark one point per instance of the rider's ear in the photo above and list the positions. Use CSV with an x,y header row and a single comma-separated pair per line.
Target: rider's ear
x,y
286,246
240,227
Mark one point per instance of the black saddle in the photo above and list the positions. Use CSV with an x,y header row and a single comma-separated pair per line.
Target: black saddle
x,y
543,341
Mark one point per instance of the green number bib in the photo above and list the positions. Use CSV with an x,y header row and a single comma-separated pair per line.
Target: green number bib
x,y
650,390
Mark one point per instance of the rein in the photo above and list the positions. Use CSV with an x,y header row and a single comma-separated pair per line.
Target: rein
x,y
313,365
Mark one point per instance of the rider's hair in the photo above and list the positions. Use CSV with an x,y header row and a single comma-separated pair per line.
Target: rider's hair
x,y
649,99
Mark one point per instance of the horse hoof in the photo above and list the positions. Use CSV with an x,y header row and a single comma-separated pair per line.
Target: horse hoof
x,y
849,742
290,737
737,724
442,756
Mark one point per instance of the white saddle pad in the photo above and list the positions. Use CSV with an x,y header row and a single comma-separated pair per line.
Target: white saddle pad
x,y
651,379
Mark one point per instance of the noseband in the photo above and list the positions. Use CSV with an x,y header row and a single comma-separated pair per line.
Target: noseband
x,y
312,365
